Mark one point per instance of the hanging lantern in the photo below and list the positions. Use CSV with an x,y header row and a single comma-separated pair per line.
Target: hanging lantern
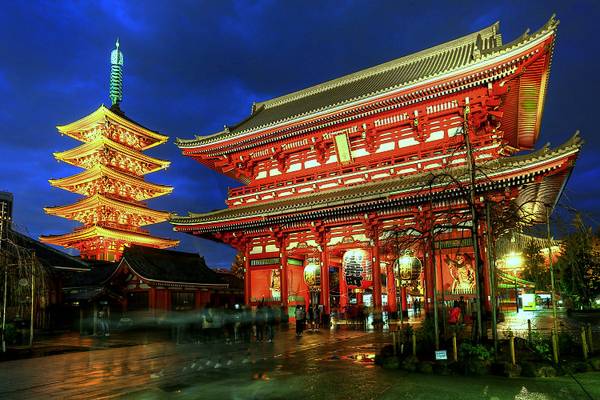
x,y
407,269
312,273
357,268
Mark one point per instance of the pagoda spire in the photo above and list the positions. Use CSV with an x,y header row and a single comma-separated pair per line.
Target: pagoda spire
x,y
112,211
116,76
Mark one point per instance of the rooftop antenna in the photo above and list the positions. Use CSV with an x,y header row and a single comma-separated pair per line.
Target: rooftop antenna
x,y
116,77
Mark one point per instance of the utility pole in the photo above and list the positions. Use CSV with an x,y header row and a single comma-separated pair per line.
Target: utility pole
x,y
492,273
435,307
2,218
474,218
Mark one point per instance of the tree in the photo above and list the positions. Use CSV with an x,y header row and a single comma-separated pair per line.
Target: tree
x,y
535,267
237,267
579,265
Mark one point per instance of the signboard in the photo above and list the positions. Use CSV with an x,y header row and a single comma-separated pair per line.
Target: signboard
x,y
529,301
441,355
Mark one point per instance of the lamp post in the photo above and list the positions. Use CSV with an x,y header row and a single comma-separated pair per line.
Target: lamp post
x,y
550,261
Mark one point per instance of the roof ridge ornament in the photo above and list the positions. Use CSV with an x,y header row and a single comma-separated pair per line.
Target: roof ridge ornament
x,y
116,77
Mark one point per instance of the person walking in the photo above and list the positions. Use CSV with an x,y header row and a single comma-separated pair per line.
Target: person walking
x,y
103,323
455,314
260,323
299,321
270,323
317,316
311,317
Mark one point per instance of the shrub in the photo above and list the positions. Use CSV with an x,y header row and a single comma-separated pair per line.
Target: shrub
x,y
426,335
541,345
471,352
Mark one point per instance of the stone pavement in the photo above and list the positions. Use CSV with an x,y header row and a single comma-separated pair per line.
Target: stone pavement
x,y
326,365
68,342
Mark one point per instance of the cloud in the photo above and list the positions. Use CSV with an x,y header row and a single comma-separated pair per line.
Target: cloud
x,y
191,67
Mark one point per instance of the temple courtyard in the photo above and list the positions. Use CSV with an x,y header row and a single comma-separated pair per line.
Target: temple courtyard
x,y
332,364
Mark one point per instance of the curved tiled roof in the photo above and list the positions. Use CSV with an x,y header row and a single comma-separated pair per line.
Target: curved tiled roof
x,y
170,266
375,191
430,63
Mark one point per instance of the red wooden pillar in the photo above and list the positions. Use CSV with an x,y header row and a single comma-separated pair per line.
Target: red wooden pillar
x,y
343,290
325,278
152,300
391,289
376,274
197,300
247,283
284,279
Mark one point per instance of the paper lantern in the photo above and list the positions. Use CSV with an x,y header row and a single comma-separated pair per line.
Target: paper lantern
x,y
357,268
312,273
407,269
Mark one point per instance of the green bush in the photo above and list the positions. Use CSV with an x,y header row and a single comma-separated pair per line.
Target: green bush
x,y
10,334
472,352
541,345
425,335
566,344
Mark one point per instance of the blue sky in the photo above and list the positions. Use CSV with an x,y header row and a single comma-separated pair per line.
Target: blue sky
x,y
193,66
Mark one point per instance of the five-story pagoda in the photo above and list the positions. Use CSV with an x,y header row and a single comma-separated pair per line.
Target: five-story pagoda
x,y
113,209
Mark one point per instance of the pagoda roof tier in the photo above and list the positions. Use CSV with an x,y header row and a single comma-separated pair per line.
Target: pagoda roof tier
x,y
79,235
100,144
84,128
80,182
544,171
436,71
73,211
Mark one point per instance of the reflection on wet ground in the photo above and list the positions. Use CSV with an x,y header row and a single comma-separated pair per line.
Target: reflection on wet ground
x,y
330,364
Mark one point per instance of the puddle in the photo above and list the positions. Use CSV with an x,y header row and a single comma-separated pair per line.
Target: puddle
x,y
360,357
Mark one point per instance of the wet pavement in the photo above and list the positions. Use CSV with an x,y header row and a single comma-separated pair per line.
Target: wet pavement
x,y
326,365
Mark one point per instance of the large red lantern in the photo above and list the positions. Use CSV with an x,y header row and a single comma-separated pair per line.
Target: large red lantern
x,y
407,269
357,268
312,273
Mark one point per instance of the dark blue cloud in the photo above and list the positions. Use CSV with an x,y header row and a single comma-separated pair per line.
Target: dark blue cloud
x,y
191,67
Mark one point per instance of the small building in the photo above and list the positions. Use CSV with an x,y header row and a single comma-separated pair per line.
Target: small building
x,y
145,286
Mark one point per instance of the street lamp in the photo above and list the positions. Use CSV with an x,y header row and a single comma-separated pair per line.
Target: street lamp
x,y
513,261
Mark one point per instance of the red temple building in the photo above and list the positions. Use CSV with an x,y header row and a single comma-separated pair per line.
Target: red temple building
x,y
113,209
367,189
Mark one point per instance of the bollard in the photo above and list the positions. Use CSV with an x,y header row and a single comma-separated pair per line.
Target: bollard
x,y
394,342
555,346
454,347
529,331
584,344
513,358
414,343
590,341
